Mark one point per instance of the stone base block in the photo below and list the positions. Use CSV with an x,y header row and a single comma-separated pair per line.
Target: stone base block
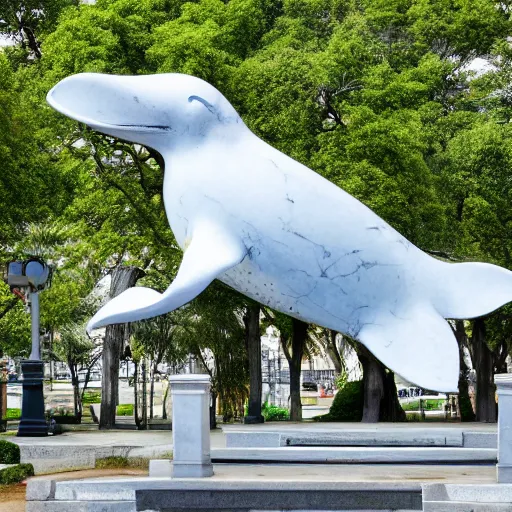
x,y
503,473
180,470
80,506
160,468
252,439
480,440
458,506
40,490
467,498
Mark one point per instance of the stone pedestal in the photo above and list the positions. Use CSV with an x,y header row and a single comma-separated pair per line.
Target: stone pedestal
x,y
503,383
191,426
33,422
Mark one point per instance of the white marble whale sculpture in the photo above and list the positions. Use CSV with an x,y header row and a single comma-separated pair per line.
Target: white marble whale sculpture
x,y
278,232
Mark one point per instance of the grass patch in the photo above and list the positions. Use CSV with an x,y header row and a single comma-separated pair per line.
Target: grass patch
x,y
92,397
428,405
124,410
122,462
15,474
112,462
12,413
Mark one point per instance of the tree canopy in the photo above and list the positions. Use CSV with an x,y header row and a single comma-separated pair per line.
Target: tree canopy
x,y
377,96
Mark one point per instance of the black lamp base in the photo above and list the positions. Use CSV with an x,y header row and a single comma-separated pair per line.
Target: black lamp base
x,y
33,422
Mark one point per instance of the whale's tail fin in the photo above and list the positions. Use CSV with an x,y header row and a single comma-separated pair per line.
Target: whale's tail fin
x,y
417,343
470,290
416,340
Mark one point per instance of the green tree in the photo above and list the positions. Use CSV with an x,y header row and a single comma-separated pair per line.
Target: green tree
x,y
161,343
75,348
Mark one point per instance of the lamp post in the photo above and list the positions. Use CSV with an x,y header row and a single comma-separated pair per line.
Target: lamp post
x,y
26,279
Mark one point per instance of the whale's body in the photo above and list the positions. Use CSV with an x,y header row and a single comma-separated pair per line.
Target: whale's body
x,y
313,251
271,228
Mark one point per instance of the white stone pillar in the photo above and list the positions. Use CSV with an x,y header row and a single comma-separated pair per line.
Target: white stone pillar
x,y
191,426
503,383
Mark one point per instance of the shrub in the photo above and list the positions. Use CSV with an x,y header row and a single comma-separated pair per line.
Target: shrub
x,y
347,404
124,410
15,474
274,413
9,453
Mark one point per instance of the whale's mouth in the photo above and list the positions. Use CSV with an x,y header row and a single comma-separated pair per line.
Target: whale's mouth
x,y
108,103
102,125
155,127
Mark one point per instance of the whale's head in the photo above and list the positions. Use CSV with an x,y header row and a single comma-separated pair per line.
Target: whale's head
x,y
154,110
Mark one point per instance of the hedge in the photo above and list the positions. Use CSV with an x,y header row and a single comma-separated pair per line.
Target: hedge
x,y
9,453
15,474
347,404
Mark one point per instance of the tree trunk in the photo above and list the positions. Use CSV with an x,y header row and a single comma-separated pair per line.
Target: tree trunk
x,y
332,351
373,384
144,395
164,402
380,395
3,392
486,410
253,343
465,409
299,336
136,395
390,408
77,403
213,410
87,378
151,389
123,277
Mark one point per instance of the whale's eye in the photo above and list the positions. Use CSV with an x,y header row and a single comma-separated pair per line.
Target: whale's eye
x,y
208,105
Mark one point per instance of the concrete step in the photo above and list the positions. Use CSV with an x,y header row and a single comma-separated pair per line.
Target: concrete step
x,y
356,455
467,498
454,437
283,496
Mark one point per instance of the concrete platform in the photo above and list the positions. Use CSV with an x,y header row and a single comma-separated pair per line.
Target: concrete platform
x,y
356,455
80,450
347,437
342,484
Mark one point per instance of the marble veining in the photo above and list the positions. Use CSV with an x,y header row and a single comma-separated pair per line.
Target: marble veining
x,y
278,232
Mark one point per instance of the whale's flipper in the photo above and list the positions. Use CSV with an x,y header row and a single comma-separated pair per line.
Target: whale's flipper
x,y
210,253
419,343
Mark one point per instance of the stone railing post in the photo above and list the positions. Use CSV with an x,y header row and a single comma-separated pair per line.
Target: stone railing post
x,y
503,383
191,426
